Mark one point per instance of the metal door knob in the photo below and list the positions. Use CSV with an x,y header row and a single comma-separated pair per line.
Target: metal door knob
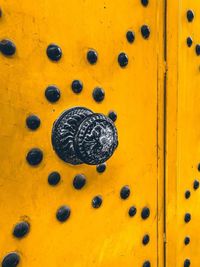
x,y
81,136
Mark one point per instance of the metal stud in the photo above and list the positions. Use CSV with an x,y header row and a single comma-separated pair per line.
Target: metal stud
x,y
7,47
132,211
187,240
112,115
198,167
145,213
145,2
54,52
54,178
98,94
189,41
197,49
145,240
125,192
33,122
196,184
79,181
92,56
190,15
123,60
96,202
130,36
187,194
34,156
145,31
101,168
63,213
187,217
77,86
147,264
11,260
52,93
187,263
1,12
21,229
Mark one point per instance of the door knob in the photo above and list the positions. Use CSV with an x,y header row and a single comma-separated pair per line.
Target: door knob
x,y
81,136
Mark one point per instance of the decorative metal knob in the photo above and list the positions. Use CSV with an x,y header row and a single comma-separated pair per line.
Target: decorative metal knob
x,y
81,136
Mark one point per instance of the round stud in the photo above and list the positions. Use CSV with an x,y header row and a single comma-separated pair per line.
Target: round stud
x,y
186,240
130,36
101,168
187,194
96,202
7,47
79,181
54,52
147,264
21,229
145,31
125,192
187,218
189,41
33,122
123,60
190,15
54,178
112,115
145,2
52,93
132,211
196,184
63,213
34,156
77,86
198,167
145,213
98,94
145,240
11,260
1,12
92,57
198,49
187,263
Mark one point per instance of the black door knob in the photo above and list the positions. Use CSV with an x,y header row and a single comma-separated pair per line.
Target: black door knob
x,y
81,136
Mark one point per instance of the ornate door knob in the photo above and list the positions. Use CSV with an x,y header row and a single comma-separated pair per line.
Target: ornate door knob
x,y
81,136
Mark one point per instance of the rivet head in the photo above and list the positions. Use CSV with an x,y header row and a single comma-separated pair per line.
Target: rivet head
x,y
33,122
187,194
132,211
112,115
96,202
79,181
34,156
187,217
7,47
186,240
187,263
123,60
145,2
145,213
189,41
21,229
77,86
92,56
101,168
11,260
98,94
54,52
145,31
63,213
196,184
145,240
197,49
125,192
130,36
190,15
54,178
147,264
52,93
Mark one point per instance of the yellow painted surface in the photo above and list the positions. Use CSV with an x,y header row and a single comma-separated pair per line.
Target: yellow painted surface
x,y
107,236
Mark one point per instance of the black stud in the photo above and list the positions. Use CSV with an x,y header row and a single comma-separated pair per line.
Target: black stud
x,y
101,168
197,49
147,264
196,184
21,229
52,93
92,56
145,31
189,41
79,181
7,47
123,60
132,211
96,202
34,156
198,167
125,192
130,36
54,178
33,122
187,217
186,240
187,194
11,260
145,2
98,94
187,263
190,15
112,115
145,240
54,52
1,12
77,86
145,213
63,213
